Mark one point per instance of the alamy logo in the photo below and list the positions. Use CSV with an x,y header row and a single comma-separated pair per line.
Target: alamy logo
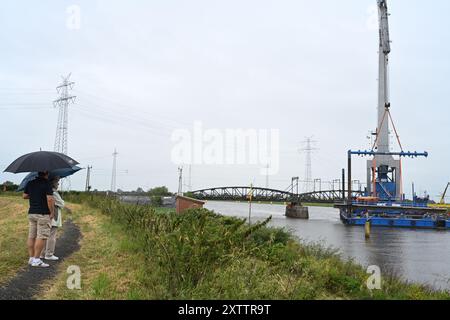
x,y
73,21
260,147
374,281
372,20
74,279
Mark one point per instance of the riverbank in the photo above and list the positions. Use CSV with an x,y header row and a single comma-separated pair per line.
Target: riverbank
x,y
148,253
139,252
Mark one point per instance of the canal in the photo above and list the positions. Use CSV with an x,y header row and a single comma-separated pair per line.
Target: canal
x,y
415,255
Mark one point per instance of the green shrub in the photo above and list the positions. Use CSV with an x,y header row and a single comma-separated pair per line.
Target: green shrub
x,y
202,255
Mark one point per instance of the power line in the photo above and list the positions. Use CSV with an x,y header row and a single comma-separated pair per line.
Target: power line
x,y
28,89
22,93
118,120
94,158
127,115
155,116
8,104
24,108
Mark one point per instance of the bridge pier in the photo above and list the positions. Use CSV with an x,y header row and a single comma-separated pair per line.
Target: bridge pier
x,y
297,211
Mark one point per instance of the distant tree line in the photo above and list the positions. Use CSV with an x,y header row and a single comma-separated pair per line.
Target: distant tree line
x,y
160,192
8,186
157,192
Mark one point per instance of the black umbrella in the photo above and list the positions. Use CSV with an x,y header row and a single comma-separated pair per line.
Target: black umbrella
x,y
61,173
41,161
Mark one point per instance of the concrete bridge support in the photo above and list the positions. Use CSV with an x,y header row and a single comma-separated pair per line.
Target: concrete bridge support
x,y
297,211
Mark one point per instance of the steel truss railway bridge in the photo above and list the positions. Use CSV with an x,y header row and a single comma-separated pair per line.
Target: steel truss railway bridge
x,y
270,195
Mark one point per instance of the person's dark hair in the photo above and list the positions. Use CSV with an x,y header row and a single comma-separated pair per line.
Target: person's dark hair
x,y
42,174
55,182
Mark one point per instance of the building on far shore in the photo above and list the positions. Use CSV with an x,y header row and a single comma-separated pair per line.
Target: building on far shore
x,y
168,202
185,203
135,199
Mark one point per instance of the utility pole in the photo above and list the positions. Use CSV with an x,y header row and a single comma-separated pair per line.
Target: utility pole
x,y
308,149
180,181
114,171
250,199
267,175
88,179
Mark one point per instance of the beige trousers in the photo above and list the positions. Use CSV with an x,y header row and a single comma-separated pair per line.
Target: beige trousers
x,y
49,248
39,226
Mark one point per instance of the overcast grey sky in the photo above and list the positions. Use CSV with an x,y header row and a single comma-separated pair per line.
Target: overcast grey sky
x,y
144,69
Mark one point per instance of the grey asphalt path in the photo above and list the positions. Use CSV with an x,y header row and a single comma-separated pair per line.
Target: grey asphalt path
x,y
26,284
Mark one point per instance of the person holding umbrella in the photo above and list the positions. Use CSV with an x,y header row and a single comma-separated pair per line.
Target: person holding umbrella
x,y
42,210
40,195
48,253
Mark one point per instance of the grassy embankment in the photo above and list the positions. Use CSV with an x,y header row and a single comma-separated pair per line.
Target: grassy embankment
x,y
131,252
13,236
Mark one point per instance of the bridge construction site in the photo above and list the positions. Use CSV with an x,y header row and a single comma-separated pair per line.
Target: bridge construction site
x,y
383,202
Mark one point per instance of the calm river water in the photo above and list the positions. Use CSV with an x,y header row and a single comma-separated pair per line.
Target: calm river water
x,y
416,255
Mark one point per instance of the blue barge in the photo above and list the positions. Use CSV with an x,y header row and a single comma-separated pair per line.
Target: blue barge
x,y
394,215
385,206
384,202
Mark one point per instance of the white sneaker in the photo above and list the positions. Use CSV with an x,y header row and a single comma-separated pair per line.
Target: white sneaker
x,y
39,264
52,258
30,261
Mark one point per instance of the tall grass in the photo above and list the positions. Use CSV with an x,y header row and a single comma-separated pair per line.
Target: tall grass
x,y
202,255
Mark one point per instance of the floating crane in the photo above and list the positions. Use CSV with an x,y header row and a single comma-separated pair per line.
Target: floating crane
x,y
384,203
442,203
444,194
384,176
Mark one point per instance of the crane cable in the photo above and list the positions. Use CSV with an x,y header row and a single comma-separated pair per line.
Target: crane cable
x,y
388,113
401,148
374,161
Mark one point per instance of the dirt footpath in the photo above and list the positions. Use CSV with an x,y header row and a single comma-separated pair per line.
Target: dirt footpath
x,y
26,284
